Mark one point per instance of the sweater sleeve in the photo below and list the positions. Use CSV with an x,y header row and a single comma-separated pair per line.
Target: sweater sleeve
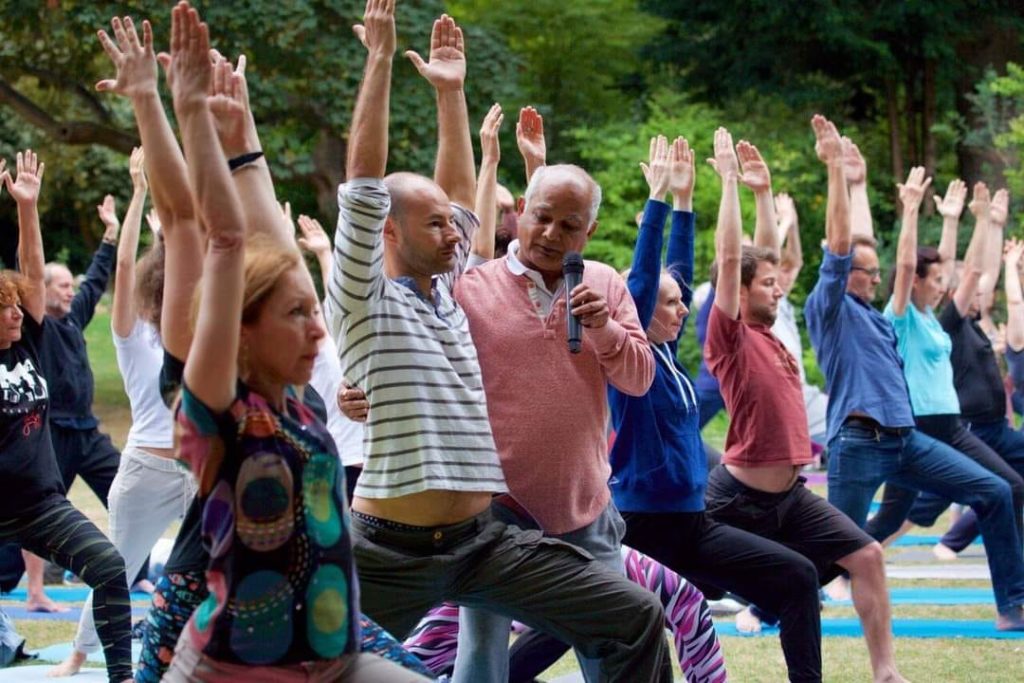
x,y
645,274
679,260
621,344
83,306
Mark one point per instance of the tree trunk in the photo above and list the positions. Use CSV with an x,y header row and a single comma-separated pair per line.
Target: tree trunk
x,y
895,142
329,171
927,121
910,111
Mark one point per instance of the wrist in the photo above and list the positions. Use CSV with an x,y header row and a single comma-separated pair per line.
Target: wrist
x,y
682,202
450,89
190,106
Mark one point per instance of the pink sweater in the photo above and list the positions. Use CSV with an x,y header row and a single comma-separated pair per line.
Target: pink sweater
x,y
549,408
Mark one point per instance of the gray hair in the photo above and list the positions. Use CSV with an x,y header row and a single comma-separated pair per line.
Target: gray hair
x,y
595,189
49,269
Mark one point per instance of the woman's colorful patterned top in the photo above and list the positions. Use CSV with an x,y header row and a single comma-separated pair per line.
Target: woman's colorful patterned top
x,y
281,575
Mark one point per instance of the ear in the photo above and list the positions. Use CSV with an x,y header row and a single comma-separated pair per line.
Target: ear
x,y
591,230
390,230
520,205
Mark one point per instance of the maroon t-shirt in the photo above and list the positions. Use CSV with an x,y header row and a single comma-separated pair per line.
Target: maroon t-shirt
x,y
760,383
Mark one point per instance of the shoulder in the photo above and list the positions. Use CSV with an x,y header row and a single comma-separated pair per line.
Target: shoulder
x,y
598,272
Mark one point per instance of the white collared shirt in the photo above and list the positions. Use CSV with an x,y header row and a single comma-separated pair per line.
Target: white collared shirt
x,y
543,298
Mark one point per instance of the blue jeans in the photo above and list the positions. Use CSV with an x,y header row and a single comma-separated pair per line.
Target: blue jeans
x,y
483,635
862,458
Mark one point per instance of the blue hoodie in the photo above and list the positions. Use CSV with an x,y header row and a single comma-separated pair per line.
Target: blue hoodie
x,y
658,462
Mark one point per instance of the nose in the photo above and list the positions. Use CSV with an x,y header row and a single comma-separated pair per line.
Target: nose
x,y
683,311
317,331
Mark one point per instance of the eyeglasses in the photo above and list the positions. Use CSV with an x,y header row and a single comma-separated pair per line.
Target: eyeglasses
x,y
870,272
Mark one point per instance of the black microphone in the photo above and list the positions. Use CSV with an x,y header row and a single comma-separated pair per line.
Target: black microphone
x,y
572,272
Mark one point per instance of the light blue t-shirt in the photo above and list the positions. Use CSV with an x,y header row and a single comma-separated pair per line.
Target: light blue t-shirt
x,y
925,348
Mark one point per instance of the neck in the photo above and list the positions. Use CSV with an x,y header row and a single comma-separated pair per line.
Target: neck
x,y
55,312
272,391
919,305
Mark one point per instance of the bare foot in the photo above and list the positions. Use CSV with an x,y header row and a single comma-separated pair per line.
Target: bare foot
x,y
69,667
1011,621
144,586
41,602
943,552
838,589
746,622
889,675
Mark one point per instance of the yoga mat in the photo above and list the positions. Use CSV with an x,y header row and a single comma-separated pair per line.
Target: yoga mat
x,y
67,594
19,612
903,541
953,571
36,673
901,628
60,651
932,596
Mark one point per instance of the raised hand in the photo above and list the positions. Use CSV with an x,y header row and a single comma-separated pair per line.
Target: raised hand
x,y
1000,209
981,202
25,187
952,205
3,174
229,104
108,212
188,66
314,238
153,221
446,69
490,150
785,210
137,169
724,161
855,169
1013,249
135,62
755,171
377,32
912,192
530,136
656,171
828,145
681,172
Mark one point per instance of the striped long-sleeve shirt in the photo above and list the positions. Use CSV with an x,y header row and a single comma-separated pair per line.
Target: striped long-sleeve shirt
x,y
428,427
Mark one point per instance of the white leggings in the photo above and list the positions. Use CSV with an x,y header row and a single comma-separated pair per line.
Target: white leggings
x,y
148,493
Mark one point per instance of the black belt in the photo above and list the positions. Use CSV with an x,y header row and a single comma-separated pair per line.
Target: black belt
x,y
871,423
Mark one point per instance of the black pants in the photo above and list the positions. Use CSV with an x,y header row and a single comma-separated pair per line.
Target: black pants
x,y
900,503
66,537
86,453
725,558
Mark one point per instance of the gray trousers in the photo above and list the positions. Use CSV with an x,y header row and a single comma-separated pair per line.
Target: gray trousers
x,y
542,582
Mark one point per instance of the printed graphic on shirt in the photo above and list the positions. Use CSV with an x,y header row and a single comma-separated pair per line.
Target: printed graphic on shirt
x,y
24,393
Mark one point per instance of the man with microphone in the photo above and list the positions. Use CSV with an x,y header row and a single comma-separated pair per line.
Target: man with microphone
x,y
545,376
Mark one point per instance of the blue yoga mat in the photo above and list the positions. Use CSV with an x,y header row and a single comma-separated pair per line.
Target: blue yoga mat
x,y
923,540
66,594
901,628
60,652
932,596
19,612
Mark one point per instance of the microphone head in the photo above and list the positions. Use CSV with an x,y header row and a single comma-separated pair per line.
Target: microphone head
x,y
572,262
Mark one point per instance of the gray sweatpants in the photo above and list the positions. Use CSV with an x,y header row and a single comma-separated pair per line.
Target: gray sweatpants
x,y
542,582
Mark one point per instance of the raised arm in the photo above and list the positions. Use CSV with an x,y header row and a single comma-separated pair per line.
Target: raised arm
x,y
454,170
789,233
950,207
999,211
755,176
24,188
315,241
136,79
829,148
911,194
645,274
487,184
368,138
729,233
1014,299
123,314
974,259
530,140
210,372
856,171
679,255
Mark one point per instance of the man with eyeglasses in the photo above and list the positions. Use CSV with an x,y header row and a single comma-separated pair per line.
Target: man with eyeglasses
x,y
871,432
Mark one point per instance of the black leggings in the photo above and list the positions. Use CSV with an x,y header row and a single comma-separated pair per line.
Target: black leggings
x,y
66,537
717,558
899,503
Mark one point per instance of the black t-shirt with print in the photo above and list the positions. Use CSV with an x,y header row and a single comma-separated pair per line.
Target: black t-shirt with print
x,y
979,385
28,467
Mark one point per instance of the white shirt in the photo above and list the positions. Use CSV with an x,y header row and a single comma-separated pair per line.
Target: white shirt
x,y
543,299
139,358
348,435
815,400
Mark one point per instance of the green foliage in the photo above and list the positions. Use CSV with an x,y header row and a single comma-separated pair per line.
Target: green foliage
x,y
999,100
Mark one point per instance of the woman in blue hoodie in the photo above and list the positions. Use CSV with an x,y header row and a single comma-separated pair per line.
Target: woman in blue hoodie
x,y
659,471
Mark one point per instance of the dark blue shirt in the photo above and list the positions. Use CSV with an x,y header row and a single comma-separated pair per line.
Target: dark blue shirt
x,y
706,382
64,359
856,350
658,462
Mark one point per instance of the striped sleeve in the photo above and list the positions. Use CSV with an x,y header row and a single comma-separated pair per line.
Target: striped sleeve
x,y
466,223
358,271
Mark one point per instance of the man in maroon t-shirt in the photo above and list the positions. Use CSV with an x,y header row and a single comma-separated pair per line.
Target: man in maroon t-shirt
x,y
758,486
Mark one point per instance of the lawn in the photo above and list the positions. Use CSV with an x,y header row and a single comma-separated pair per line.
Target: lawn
x,y
748,659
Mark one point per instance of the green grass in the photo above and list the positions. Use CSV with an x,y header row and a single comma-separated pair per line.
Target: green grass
x,y
749,660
